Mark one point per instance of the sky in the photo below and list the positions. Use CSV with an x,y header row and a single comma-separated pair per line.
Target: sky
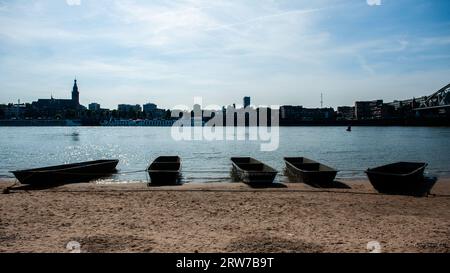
x,y
167,52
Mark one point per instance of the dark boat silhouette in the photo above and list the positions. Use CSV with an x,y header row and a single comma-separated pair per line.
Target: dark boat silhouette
x,y
302,169
165,170
68,173
252,171
398,178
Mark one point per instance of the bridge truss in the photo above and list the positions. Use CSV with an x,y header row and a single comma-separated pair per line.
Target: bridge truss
x,y
440,99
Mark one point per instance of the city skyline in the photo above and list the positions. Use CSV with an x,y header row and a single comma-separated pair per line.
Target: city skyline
x,y
245,101
285,52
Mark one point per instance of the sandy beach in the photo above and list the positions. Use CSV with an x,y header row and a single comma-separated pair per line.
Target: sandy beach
x,y
222,217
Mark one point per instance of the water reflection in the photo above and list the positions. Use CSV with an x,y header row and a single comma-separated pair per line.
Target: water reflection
x,y
75,136
207,161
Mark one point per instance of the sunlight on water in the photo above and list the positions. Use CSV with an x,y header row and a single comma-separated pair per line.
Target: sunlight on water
x,y
204,161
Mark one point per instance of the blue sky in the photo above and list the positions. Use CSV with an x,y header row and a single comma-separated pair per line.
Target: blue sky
x,y
278,52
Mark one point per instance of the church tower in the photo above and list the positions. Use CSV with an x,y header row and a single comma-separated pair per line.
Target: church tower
x,y
75,94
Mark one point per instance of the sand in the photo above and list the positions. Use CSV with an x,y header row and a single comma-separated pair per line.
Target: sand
x,y
222,217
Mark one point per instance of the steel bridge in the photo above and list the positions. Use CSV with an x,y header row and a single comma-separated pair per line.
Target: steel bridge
x,y
440,100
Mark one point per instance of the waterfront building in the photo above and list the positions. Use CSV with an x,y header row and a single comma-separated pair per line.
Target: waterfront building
x,y
370,110
58,108
346,112
3,108
94,107
52,105
318,114
75,94
297,114
407,105
129,108
151,111
128,111
150,107
15,110
247,102
289,112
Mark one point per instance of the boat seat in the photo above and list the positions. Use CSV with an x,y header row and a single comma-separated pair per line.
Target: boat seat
x,y
308,166
170,166
252,166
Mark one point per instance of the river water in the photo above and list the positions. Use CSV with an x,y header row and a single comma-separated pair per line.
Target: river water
x,y
209,161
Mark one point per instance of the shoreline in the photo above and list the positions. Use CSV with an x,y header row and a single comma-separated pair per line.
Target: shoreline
x,y
222,217
344,125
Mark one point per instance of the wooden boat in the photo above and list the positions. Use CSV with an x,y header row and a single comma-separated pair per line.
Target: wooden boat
x,y
69,173
165,170
400,177
302,169
250,170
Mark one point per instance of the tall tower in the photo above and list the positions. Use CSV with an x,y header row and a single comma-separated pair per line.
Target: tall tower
x,y
75,93
246,102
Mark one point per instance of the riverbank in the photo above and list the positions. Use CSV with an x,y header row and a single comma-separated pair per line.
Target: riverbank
x,y
223,217
437,122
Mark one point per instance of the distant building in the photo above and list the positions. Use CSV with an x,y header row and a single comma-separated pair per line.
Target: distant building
x,y
58,105
3,108
94,106
14,110
408,104
369,110
247,102
297,114
288,112
151,111
346,112
318,114
75,94
150,107
129,108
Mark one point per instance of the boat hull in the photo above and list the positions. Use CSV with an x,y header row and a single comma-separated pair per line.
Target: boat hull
x,y
165,170
252,171
398,178
300,169
66,174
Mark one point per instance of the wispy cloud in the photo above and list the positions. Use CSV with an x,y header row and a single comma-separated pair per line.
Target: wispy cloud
x,y
267,17
73,2
373,2
365,66
285,51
